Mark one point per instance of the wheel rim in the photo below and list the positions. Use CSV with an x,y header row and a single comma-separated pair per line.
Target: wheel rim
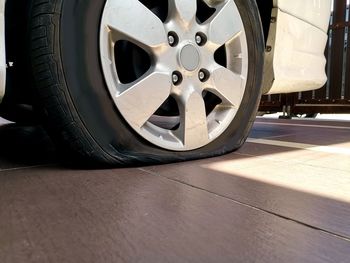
x,y
196,59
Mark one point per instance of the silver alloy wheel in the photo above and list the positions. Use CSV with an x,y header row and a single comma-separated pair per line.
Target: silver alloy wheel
x,y
190,56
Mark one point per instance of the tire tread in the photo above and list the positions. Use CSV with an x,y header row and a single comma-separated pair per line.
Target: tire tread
x,y
56,107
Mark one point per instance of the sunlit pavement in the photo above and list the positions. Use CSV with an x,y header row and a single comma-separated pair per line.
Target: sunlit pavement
x,y
283,197
328,117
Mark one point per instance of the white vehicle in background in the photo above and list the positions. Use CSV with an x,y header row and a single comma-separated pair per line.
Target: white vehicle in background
x,y
155,81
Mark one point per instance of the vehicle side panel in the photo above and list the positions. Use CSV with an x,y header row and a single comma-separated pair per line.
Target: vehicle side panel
x,y
298,42
314,12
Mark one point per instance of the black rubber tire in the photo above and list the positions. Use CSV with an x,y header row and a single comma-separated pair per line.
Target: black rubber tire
x,y
76,105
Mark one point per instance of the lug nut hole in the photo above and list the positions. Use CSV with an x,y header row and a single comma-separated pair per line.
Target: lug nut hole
x,y
201,39
177,78
173,39
203,75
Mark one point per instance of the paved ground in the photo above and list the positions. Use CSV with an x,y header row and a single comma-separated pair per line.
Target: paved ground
x,y
284,197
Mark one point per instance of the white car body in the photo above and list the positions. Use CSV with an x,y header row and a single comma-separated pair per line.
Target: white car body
x,y
297,38
300,39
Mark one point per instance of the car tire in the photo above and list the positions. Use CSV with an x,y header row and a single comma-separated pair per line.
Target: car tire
x,y
76,94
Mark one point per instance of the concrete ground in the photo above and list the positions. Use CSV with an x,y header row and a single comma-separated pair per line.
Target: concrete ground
x,y
284,197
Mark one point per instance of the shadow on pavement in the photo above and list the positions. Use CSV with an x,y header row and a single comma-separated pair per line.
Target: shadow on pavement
x,y
24,145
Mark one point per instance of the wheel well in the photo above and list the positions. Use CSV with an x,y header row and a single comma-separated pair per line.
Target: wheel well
x,y
18,74
265,8
18,100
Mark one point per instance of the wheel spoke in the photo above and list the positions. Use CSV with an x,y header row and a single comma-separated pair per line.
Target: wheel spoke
x,y
228,86
131,20
184,9
194,126
225,24
142,99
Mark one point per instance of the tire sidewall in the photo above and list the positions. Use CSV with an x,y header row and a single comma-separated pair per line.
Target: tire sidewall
x,y
84,79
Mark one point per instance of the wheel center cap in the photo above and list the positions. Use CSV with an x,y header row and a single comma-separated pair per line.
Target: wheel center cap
x,y
189,57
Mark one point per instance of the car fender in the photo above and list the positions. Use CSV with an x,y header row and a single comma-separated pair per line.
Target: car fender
x,y
294,59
